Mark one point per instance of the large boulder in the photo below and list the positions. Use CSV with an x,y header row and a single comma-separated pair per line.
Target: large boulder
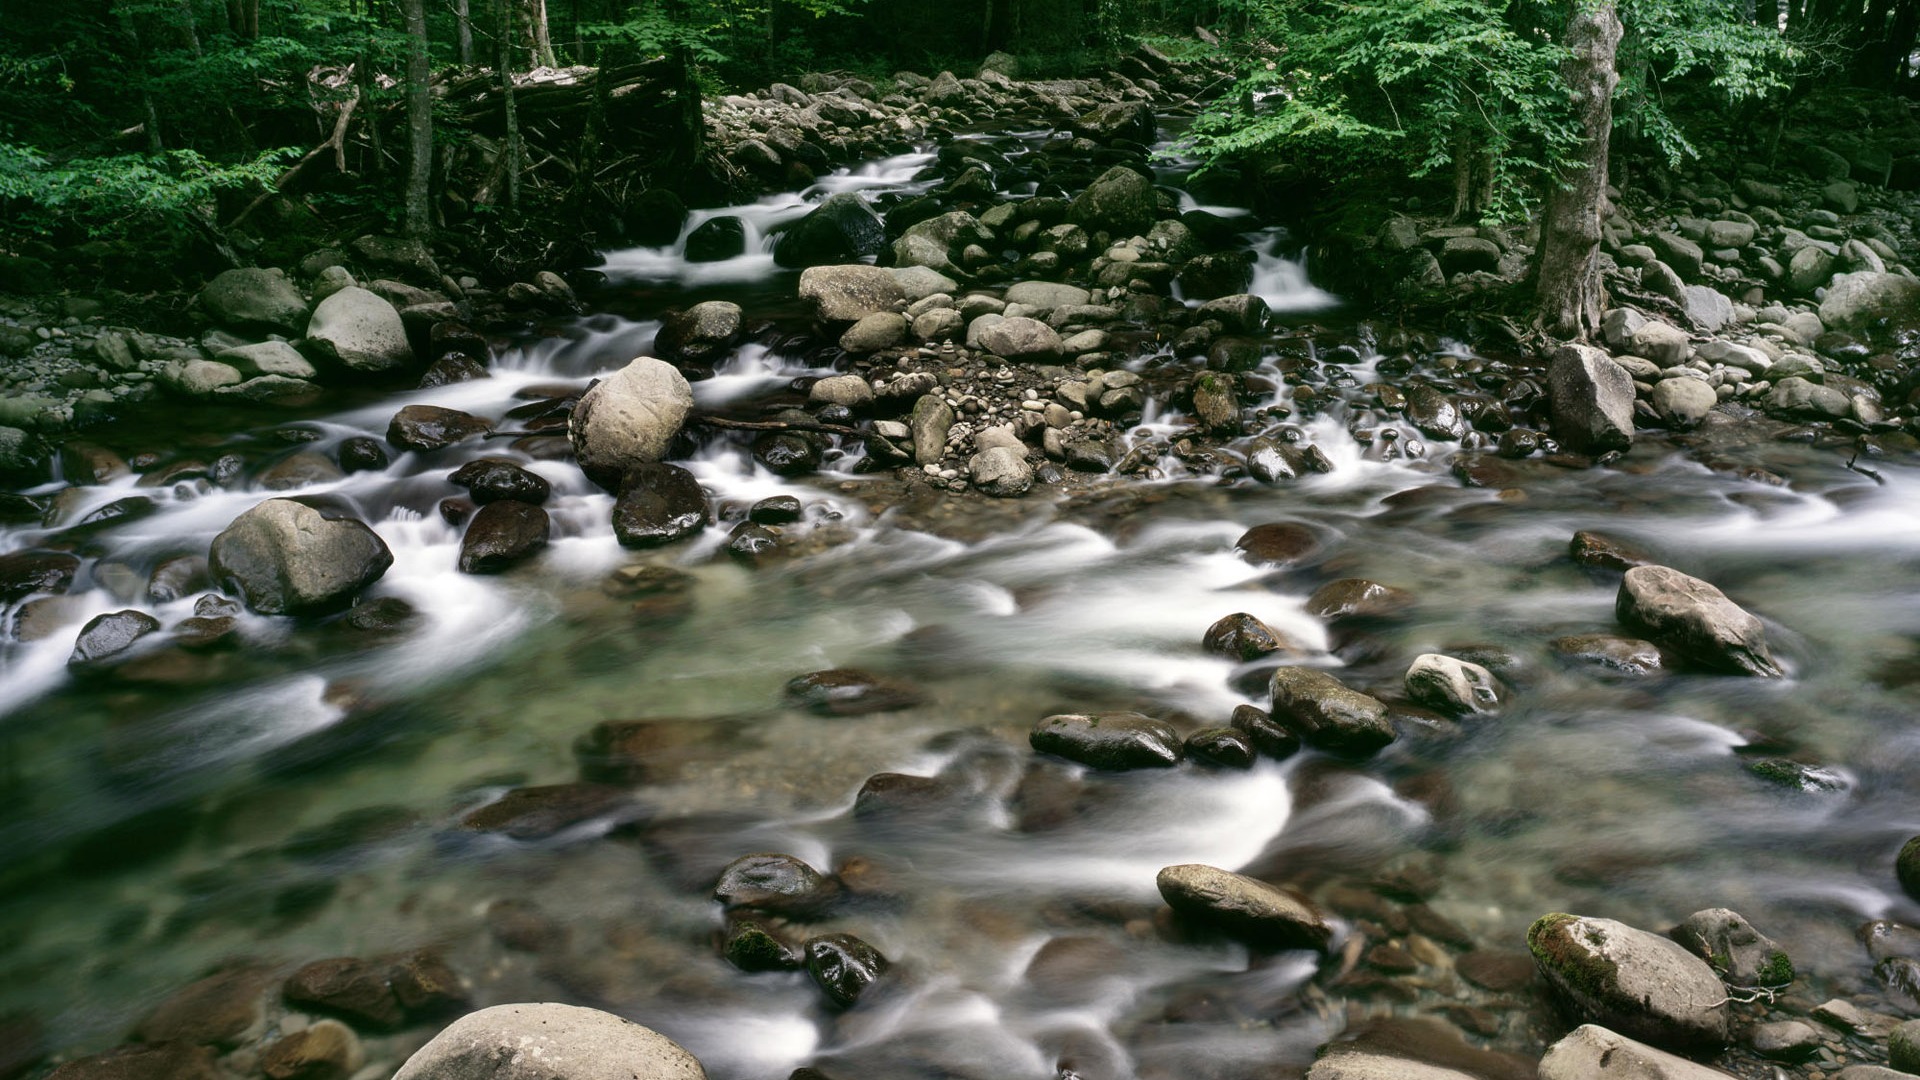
x,y
359,330
1329,714
701,334
1592,400
1861,302
1694,619
1592,1052
937,242
1132,120
1639,984
549,1042
1453,686
252,299
849,293
285,558
658,504
502,534
1246,909
842,227
1121,202
1021,339
629,418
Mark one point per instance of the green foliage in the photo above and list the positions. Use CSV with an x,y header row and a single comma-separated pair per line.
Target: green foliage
x,y
1409,84
1689,45
99,196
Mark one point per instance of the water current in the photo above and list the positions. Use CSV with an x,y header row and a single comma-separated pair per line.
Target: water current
x,y
299,797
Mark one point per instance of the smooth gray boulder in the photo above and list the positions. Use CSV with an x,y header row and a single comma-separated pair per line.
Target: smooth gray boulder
x,y
1693,618
1592,400
702,334
880,330
198,378
937,242
1021,340
1120,201
1246,909
1860,302
1662,343
1591,1052
1329,714
1452,686
1639,984
359,330
1001,471
1047,294
285,558
549,1041
252,299
847,294
629,418
1683,402
267,358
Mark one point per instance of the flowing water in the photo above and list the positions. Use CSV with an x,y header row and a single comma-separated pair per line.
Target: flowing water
x,y
300,797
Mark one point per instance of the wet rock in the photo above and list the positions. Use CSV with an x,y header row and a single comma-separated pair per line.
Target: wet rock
x,y
1357,598
326,1050
360,331
1207,277
659,504
362,454
1592,1052
843,966
1242,637
1280,543
1639,984
1243,908
491,480
1328,714
1784,1040
629,418
751,947
775,510
429,427
142,1061
177,578
1606,552
1001,471
111,634
425,984
702,334
850,692
1798,775
890,794
1497,970
1743,956
1861,302
356,990
847,294
1452,686
789,453
24,573
1906,867
1121,201
1695,619
287,558
502,534
1629,656
1268,737
253,299
521,926
549,1042
1221,746
780,884
1114,741
455,367
1592,399
718,239
536,813
1903,1047
221,1010
22,1044
303,469
841,227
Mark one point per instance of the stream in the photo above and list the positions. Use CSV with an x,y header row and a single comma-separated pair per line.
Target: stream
x,y
300,796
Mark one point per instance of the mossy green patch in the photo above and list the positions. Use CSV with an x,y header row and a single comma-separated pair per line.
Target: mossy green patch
x,y
1573,963
1777,971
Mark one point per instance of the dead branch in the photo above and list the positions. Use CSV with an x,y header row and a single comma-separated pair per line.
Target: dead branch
x,y
337,142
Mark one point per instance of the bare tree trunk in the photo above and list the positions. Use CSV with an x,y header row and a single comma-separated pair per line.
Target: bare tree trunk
x,y
419,120
463,19
1462,178
504,61
541,45
1570,292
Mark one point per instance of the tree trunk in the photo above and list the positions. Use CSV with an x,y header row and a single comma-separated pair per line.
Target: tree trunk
x,y
538,41
1901,40
463,22
1571,295
419,120
503,60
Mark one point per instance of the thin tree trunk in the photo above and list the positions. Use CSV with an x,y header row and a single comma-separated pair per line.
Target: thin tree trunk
x,y
1901,40
363,81
1571,295
463,21
504,61
538,41
419,120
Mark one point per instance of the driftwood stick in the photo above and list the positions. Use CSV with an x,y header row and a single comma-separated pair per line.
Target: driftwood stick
x,y
777,425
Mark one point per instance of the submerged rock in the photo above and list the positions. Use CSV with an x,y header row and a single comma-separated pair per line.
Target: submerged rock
x,y
851,692
535,813
775,883
142,1061
1694,619
430,427
843,966
1243,908
111,634
1455,687
285,558
1639,984
1242,637
1116,741
549,1042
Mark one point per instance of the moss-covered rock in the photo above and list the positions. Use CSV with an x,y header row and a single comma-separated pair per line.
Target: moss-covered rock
x,y
1639,984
